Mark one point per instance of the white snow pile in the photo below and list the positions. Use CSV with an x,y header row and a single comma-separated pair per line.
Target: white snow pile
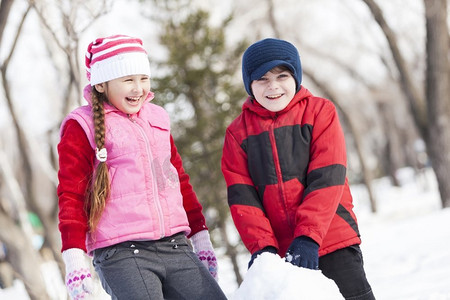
x,y
271,278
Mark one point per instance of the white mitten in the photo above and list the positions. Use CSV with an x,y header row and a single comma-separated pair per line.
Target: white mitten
x,y
203,248
79,280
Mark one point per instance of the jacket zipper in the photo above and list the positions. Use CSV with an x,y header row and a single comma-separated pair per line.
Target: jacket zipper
x,y
277,167
154,184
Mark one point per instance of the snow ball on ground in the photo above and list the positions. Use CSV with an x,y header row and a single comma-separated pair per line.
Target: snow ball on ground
x,y
271,278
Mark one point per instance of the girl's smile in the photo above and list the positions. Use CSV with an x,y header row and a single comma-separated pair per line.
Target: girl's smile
x,y
127,93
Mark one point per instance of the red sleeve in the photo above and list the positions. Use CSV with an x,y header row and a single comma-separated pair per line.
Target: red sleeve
x,y
245,207
327,152
191,204
76,159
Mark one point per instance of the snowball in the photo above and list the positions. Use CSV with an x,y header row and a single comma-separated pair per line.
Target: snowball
x,y
271,278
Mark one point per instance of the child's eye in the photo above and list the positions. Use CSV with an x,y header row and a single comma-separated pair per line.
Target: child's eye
x,y
261,79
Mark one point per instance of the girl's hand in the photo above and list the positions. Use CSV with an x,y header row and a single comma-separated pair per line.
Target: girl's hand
x,y
203,248
79,280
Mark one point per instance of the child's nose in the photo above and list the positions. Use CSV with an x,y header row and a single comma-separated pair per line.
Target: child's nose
x,y
137,86
273,84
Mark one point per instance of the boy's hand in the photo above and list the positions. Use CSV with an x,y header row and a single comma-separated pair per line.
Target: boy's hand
x,y
303,252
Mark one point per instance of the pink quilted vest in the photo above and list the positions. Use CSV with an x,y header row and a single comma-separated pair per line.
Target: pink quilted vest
x,y
145,201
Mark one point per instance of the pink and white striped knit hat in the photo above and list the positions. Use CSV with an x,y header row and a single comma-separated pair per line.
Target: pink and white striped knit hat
x,y
115,56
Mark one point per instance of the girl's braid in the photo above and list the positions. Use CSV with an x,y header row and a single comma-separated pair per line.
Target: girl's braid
x,y
100,188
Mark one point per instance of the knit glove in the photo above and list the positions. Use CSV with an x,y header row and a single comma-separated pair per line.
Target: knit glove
x,y
269,249
79,281
303,252
203,248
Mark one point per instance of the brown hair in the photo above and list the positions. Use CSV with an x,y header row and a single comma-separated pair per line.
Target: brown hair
x,y
99,189
281,68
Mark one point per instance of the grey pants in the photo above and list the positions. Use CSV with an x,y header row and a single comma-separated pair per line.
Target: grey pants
x,y
162,269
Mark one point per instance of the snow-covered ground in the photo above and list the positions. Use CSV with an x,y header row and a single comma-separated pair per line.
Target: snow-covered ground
x,y
405,247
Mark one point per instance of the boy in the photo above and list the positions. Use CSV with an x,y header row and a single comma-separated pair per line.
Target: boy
x,y
284,162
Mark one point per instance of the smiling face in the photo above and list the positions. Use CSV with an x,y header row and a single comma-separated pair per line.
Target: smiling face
x,y
127,93
275,89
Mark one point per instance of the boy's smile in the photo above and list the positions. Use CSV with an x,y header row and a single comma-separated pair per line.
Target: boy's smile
x,y
274,90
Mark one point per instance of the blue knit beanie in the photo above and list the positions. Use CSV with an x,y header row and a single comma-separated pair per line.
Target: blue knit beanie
x,y
267,54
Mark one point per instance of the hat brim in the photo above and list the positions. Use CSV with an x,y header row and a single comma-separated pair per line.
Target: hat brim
x,y
266,67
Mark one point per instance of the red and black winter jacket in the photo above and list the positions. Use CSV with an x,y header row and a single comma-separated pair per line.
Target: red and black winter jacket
x,y
286,176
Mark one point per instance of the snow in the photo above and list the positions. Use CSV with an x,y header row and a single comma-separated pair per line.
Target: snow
x,y
271,278
405,249
17,291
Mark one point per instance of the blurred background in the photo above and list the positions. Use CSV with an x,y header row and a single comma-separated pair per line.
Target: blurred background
x,y
384,63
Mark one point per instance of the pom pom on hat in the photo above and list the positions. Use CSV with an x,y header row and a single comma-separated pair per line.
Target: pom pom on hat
x,y
115,56
267,54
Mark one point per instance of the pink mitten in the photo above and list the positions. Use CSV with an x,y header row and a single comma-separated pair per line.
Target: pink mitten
x,y
203,248
79,280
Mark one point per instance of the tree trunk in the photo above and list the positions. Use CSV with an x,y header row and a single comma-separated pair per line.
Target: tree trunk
x,y
5,7
23,258
391,159
231,252
437,93
416,103
431,120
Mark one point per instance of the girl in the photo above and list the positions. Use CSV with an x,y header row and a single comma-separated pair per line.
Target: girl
x,y
124,197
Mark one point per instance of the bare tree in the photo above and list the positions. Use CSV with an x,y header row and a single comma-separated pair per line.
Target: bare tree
x,y
437,93
431,115
5,7
21,254
74,18
34,176
25,261
17,238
